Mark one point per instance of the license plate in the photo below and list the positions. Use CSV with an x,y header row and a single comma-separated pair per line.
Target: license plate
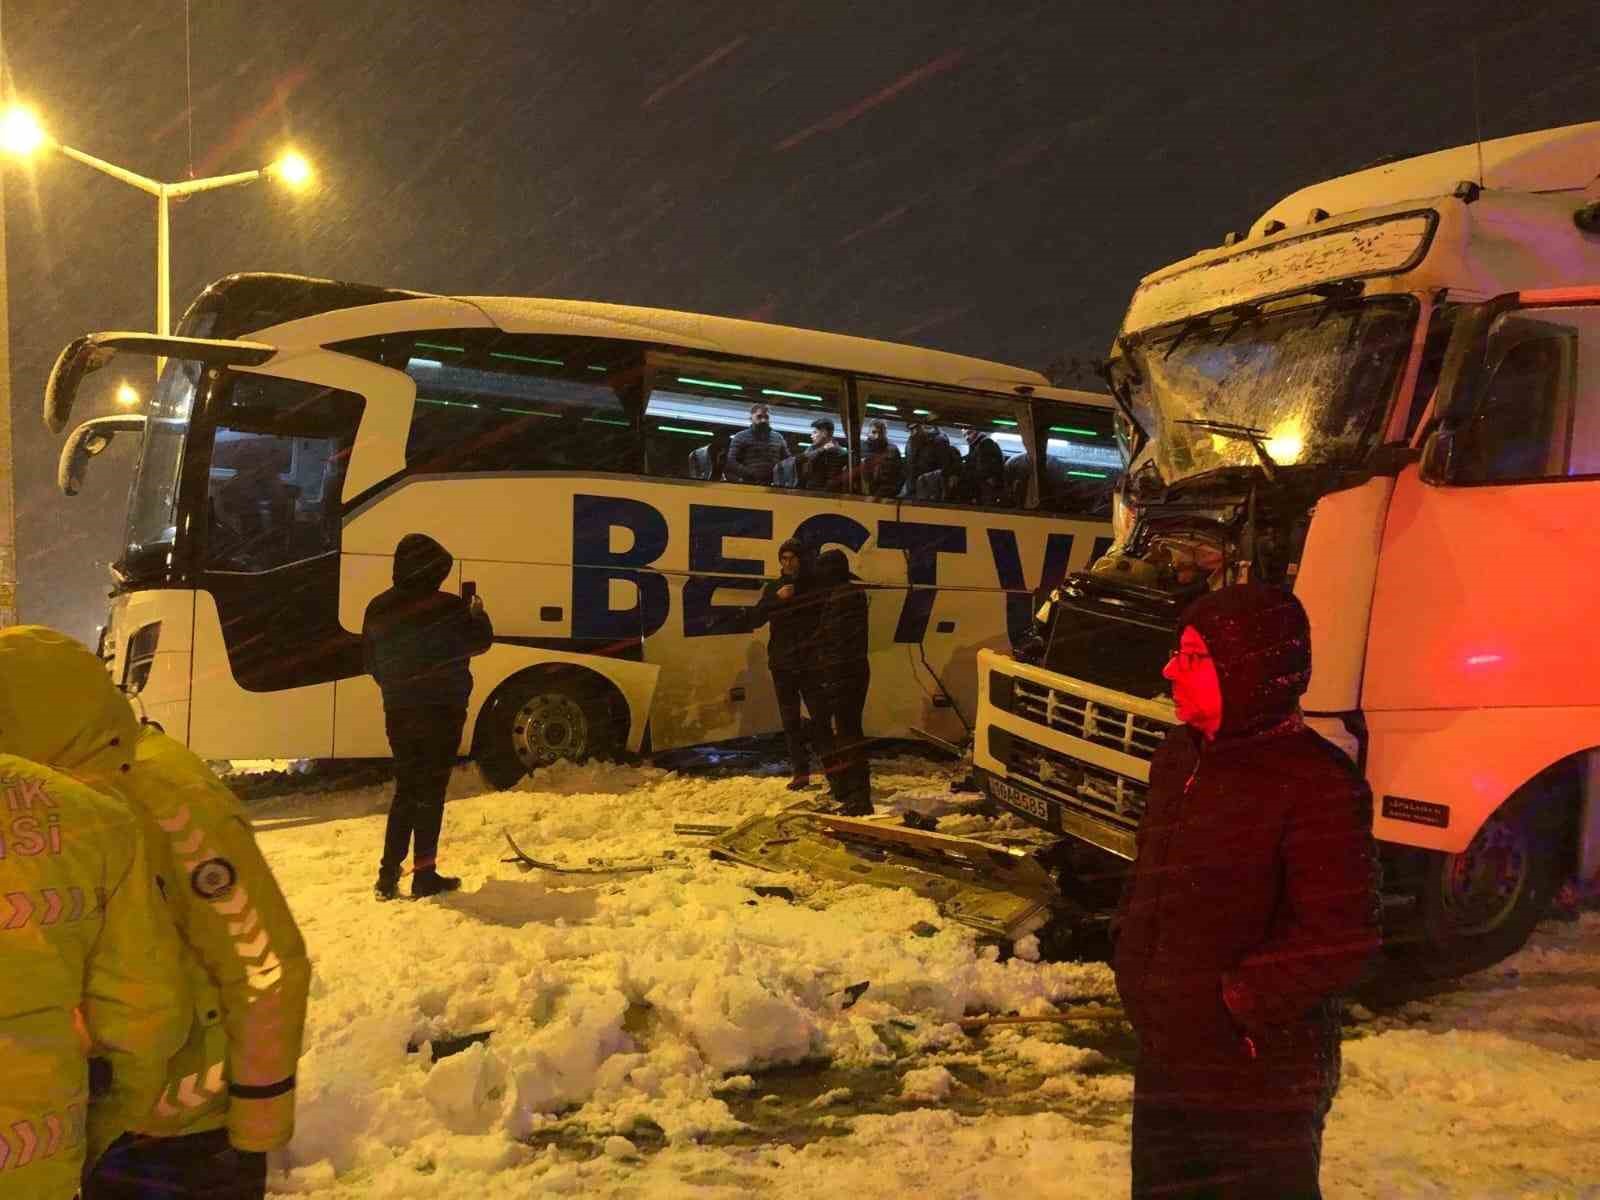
x,y
1020,800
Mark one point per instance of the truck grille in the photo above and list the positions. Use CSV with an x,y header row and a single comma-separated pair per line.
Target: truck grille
x,y
1079,785
1102,724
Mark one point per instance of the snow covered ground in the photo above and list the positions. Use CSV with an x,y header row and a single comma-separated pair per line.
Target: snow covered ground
x,y
670,1033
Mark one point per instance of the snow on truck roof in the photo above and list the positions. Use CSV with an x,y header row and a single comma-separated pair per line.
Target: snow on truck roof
x,y
1547,160
1382,222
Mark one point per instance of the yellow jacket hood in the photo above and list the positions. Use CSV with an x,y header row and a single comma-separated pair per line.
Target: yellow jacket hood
x,y
59,707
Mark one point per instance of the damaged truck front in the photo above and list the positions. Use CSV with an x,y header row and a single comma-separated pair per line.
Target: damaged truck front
x,y
1393,408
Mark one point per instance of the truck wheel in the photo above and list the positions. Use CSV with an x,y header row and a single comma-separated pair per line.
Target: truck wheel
x,y
1480,905
535,721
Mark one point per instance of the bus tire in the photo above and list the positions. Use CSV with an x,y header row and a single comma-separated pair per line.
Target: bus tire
x,y
538,718
1479,906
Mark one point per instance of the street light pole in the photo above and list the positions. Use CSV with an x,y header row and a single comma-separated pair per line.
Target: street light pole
x,y
291,168
8,491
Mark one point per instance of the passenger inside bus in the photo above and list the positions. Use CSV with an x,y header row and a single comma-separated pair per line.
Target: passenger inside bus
x,y
252,505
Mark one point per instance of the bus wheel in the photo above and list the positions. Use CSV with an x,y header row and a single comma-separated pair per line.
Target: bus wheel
x,y
1480,905
535,721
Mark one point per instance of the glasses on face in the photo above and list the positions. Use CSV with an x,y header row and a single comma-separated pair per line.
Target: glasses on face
x,y
1188,660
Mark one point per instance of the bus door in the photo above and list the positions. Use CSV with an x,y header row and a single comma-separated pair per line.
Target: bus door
x,y
268,645
1485,597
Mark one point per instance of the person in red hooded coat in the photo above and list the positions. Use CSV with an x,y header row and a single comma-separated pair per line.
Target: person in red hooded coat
x,y
1252,906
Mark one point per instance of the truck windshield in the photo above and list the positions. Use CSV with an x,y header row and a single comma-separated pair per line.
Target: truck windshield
x,y
1309,384
153,501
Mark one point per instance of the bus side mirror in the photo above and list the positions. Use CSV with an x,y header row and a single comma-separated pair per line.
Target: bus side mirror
x,y
92,352
85,442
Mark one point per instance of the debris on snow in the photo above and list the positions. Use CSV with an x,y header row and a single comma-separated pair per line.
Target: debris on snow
x,y
832,1097
927,1083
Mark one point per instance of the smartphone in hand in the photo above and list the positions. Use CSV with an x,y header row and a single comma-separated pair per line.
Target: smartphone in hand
x,y
469,590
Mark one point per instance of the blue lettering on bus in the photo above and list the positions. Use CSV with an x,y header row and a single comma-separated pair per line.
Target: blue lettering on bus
x,y
709,526
711,568
922,544
1008,569
595,565
832,529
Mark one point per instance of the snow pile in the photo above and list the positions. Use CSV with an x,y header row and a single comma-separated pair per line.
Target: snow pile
x,y
635,1019
617,1001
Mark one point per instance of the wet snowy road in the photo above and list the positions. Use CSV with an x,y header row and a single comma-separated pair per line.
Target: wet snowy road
x,y
670,1033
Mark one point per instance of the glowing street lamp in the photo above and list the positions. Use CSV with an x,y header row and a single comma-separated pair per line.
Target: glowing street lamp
x,y
22,136
20,133
127,396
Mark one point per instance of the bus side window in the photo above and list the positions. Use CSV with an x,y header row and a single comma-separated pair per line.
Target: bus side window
x,y
943,446
1082,460
699,423
504,402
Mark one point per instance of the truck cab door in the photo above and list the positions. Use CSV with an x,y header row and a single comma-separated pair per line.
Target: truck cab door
x,y
1485,597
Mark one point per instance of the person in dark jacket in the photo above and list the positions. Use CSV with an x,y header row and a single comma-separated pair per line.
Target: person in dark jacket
x,y
789,606
844,676
882,468
417,642
706,461
1252,906
929,451
1019,477
826,466
983,470
754,452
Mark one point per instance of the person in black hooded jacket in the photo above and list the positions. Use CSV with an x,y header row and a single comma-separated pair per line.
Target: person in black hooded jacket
x,y
840,666
789,605
1252,906
417,642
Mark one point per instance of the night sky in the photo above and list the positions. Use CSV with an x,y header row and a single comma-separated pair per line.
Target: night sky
x,y
989,178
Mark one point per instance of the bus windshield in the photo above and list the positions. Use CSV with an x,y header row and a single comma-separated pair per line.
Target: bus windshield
x,y
1308,384
153,501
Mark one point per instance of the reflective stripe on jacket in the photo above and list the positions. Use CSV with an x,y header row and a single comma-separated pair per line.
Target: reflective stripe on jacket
x,y
244,974
89,965
246,956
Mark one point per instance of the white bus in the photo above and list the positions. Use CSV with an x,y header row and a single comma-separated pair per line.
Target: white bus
x,y
1385,396
301,427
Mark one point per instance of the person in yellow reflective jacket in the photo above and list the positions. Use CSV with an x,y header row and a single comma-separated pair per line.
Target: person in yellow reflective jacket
x,y
229,1094
90,964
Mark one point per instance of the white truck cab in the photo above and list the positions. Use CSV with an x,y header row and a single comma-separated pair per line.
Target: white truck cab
x,y
1386,397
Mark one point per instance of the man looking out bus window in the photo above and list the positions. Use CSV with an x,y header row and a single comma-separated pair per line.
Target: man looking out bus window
x,y
826,466
931,463
1252,905
755,452
983,471
882,469
417,642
